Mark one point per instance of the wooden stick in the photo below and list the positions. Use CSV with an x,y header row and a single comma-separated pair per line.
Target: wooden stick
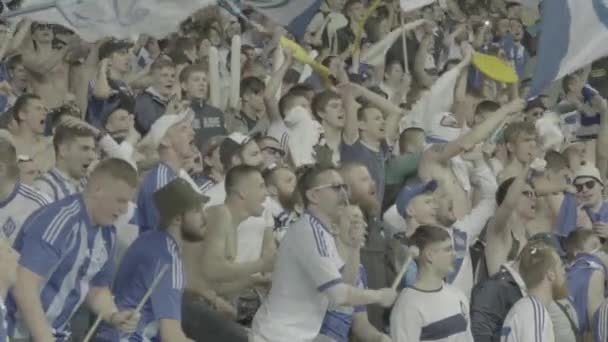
x,y
155,283
92,329
411,254
143,301
215,86
406,67
235,73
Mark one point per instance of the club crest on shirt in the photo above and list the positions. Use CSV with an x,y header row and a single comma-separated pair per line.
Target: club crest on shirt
x,y
9,227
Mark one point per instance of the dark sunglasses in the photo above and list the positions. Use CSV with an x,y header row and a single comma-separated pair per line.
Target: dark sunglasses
x,y
588,184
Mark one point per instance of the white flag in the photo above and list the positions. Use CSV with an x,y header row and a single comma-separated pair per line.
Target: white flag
x,y
95,19
410,5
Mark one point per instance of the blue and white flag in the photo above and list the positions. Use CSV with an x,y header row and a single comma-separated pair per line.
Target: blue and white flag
x,y
573,34
295,15
95,19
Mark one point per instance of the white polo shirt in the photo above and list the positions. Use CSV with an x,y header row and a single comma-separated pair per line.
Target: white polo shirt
x,y
308,263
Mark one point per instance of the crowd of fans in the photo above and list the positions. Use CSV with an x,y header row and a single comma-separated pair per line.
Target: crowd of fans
x,y
168,190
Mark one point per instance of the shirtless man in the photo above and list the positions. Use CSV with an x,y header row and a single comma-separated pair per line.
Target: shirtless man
x,y
521,140
212,267
507,233
30,114
434,163
47,66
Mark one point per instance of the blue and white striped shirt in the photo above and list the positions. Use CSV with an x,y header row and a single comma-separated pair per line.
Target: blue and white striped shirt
x,y
61,244
58,185
528,321
147,216
17,207
141,264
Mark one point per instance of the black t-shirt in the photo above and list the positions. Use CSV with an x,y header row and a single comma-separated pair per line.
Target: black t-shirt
x,y
208,122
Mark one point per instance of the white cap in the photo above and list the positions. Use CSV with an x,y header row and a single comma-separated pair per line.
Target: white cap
x,y
161,126
444,128
589,171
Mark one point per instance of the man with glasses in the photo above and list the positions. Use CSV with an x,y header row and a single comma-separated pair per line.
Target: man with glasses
x,y
272,151
307,275
589,188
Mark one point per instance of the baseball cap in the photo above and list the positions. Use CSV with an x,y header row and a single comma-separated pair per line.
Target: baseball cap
x,y
410,191
589,171
231,145
161,126
108,48
177,197
444,128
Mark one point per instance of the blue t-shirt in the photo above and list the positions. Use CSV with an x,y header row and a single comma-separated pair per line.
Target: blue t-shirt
x,y
338,321
601,216
578,275
60,243
146,216
142,262
98,108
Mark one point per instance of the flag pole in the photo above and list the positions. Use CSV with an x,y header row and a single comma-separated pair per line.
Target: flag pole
x,y
406,63
29,9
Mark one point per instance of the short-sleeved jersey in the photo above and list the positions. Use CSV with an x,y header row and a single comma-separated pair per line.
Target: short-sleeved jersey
x,y
600,323
56,185
308,264
440,315
528,321
61,244
17,207
141,264
147,216
338,320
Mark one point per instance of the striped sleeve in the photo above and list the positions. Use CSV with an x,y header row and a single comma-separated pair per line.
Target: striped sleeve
x,y
600,323
47,235
526,322
315,253
166,300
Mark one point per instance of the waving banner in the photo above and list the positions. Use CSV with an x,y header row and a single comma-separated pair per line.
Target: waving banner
x,y
573,34
295,15
95,19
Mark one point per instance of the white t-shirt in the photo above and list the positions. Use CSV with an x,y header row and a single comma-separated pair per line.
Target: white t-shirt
x,y
528,321
308,263
441,315
216,194
15,209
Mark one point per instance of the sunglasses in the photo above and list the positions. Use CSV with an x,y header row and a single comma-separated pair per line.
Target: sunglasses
x,y
588,184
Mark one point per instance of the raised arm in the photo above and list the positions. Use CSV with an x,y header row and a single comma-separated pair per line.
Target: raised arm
x,y
479,133
274,85
43,63
602,137
102,89
422,76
